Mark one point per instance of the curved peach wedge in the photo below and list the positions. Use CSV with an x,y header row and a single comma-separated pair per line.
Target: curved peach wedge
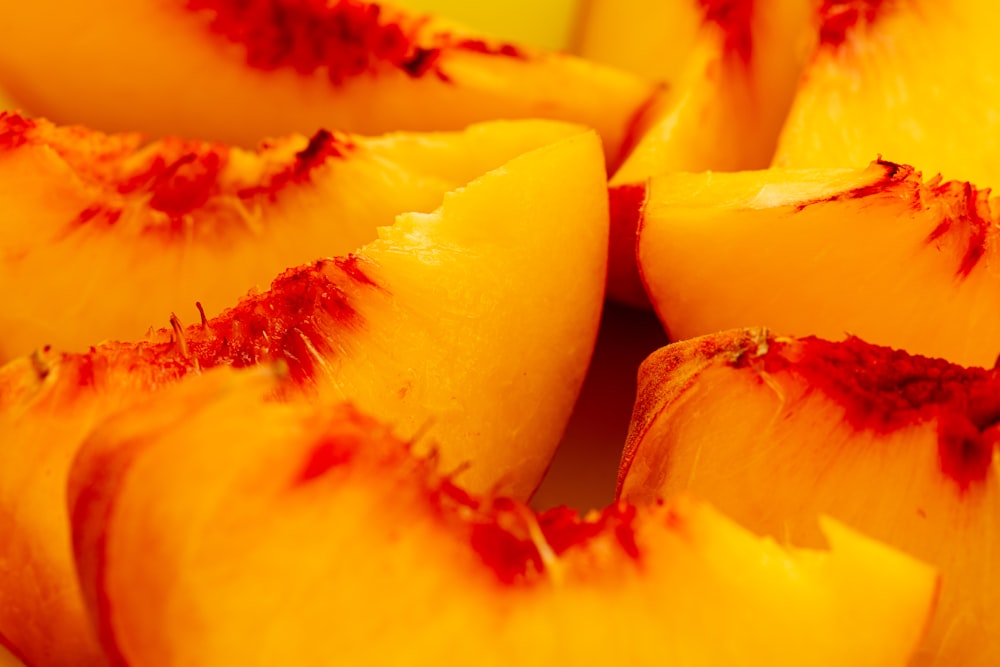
x,y
139,230
725,105
461,328
778,431
911,80
877,252
652,39
728,102
211,527
234,71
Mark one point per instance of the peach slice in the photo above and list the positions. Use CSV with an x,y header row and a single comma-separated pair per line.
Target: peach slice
x,y
911,80
462,329
652,39
728,102
234,71
140,231
210,527
876,252
723,111
548,25
776,431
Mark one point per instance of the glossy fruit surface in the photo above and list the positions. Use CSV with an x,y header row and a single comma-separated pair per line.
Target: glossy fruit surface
x,y
779,431
179,564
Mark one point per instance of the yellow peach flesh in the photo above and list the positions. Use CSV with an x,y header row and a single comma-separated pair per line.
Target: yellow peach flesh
x,y
686,585
442,344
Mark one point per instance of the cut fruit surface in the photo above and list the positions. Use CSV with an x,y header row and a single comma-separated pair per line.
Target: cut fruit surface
x,y
139,231
876,252
549,25
652,39
181,562
235,72
912,80
778,431
462,329
725,105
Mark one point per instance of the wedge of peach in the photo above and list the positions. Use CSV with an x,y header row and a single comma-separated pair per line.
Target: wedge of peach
x,y
776,431
876,252
461,328
142,230
652,39
547,25
725,106
234,71
912,80
210,527
728,102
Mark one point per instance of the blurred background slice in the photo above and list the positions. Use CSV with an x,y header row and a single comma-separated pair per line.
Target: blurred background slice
x,y
549,25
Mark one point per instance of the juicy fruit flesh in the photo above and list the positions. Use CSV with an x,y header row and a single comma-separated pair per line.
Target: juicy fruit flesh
x,y
326,457
892,258
551,25
420,73
343,39
838,18
391,327
877,85
724,107
886,389
496,573
610,32
881,390
777,432
726,104
143,231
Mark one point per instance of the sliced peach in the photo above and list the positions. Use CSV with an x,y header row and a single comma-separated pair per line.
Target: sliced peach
x,y
728,102
724,109
139,231
462,329
914,81
777,431
876,252
234,71
547,25
652,39
210,527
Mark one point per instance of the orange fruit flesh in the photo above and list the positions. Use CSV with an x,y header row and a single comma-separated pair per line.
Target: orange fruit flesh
x,y
882,86
727,103
741,420
426,327
586,650
724,107
652,39
142,231
220,70
879,253
504,227
330,493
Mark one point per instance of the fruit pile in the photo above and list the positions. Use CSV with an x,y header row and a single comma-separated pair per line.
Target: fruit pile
x,y
301,296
